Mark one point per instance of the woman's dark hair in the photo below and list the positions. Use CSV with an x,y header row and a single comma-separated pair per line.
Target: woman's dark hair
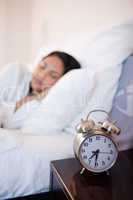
x,y
69,61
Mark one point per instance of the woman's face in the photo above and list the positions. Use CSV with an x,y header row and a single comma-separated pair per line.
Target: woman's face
x,y
48,71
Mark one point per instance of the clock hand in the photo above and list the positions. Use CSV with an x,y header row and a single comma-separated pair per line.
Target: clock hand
x,y
97,153
93,154
105,152
96,159
101,152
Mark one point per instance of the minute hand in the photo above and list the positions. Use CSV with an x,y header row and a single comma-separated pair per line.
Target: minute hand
x,y
97,153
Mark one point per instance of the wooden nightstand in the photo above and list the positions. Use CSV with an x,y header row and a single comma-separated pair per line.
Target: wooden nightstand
x,y
67,183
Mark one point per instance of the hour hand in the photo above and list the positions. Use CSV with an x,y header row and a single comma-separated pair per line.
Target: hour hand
x,y
93,154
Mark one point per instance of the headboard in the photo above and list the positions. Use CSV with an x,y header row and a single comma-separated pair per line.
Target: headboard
x,y
122,110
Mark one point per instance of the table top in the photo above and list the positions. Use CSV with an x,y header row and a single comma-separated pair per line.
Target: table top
x,y
118,185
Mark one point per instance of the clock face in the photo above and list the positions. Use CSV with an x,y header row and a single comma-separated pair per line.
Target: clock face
x,y
98,153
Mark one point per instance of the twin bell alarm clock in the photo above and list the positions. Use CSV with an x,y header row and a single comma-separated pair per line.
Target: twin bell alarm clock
x,y
94,145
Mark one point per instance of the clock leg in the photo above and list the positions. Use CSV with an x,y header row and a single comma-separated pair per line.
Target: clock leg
x,y
82,170
108,173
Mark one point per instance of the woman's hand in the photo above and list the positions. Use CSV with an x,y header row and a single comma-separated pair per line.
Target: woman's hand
x,y
25,100
33,96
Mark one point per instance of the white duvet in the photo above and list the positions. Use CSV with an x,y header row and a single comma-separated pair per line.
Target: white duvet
x,y
25,157
25,169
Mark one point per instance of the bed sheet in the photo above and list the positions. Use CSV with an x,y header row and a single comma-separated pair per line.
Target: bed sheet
x,y
25,169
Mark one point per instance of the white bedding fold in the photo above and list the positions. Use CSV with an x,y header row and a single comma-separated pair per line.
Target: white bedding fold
x,y
10,139
26,169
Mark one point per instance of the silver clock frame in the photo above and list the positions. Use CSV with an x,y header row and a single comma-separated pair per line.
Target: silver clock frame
x,y
78,141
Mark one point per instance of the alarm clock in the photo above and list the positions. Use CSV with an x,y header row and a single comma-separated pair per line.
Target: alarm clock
x,y
94,145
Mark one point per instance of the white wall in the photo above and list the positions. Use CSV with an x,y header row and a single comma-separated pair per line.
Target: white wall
x,y
2,31
26,25
18,30
15,30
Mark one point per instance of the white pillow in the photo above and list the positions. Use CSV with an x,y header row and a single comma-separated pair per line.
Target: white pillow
x,y
64,102
106,84
96,51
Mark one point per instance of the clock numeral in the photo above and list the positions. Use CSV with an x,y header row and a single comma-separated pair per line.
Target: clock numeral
x,y
85,144
108,158
105,140
103,163
109,145
90,139
84,157
98,137
96,164
82,150
111,151
89,161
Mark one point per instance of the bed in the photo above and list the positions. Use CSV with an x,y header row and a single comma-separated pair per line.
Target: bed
x,y
22,168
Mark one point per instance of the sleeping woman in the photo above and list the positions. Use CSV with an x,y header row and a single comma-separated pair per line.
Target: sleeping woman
x,y
19,87
25,159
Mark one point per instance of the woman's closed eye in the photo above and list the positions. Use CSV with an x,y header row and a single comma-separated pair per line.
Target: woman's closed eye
x,y
54,75
44,65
